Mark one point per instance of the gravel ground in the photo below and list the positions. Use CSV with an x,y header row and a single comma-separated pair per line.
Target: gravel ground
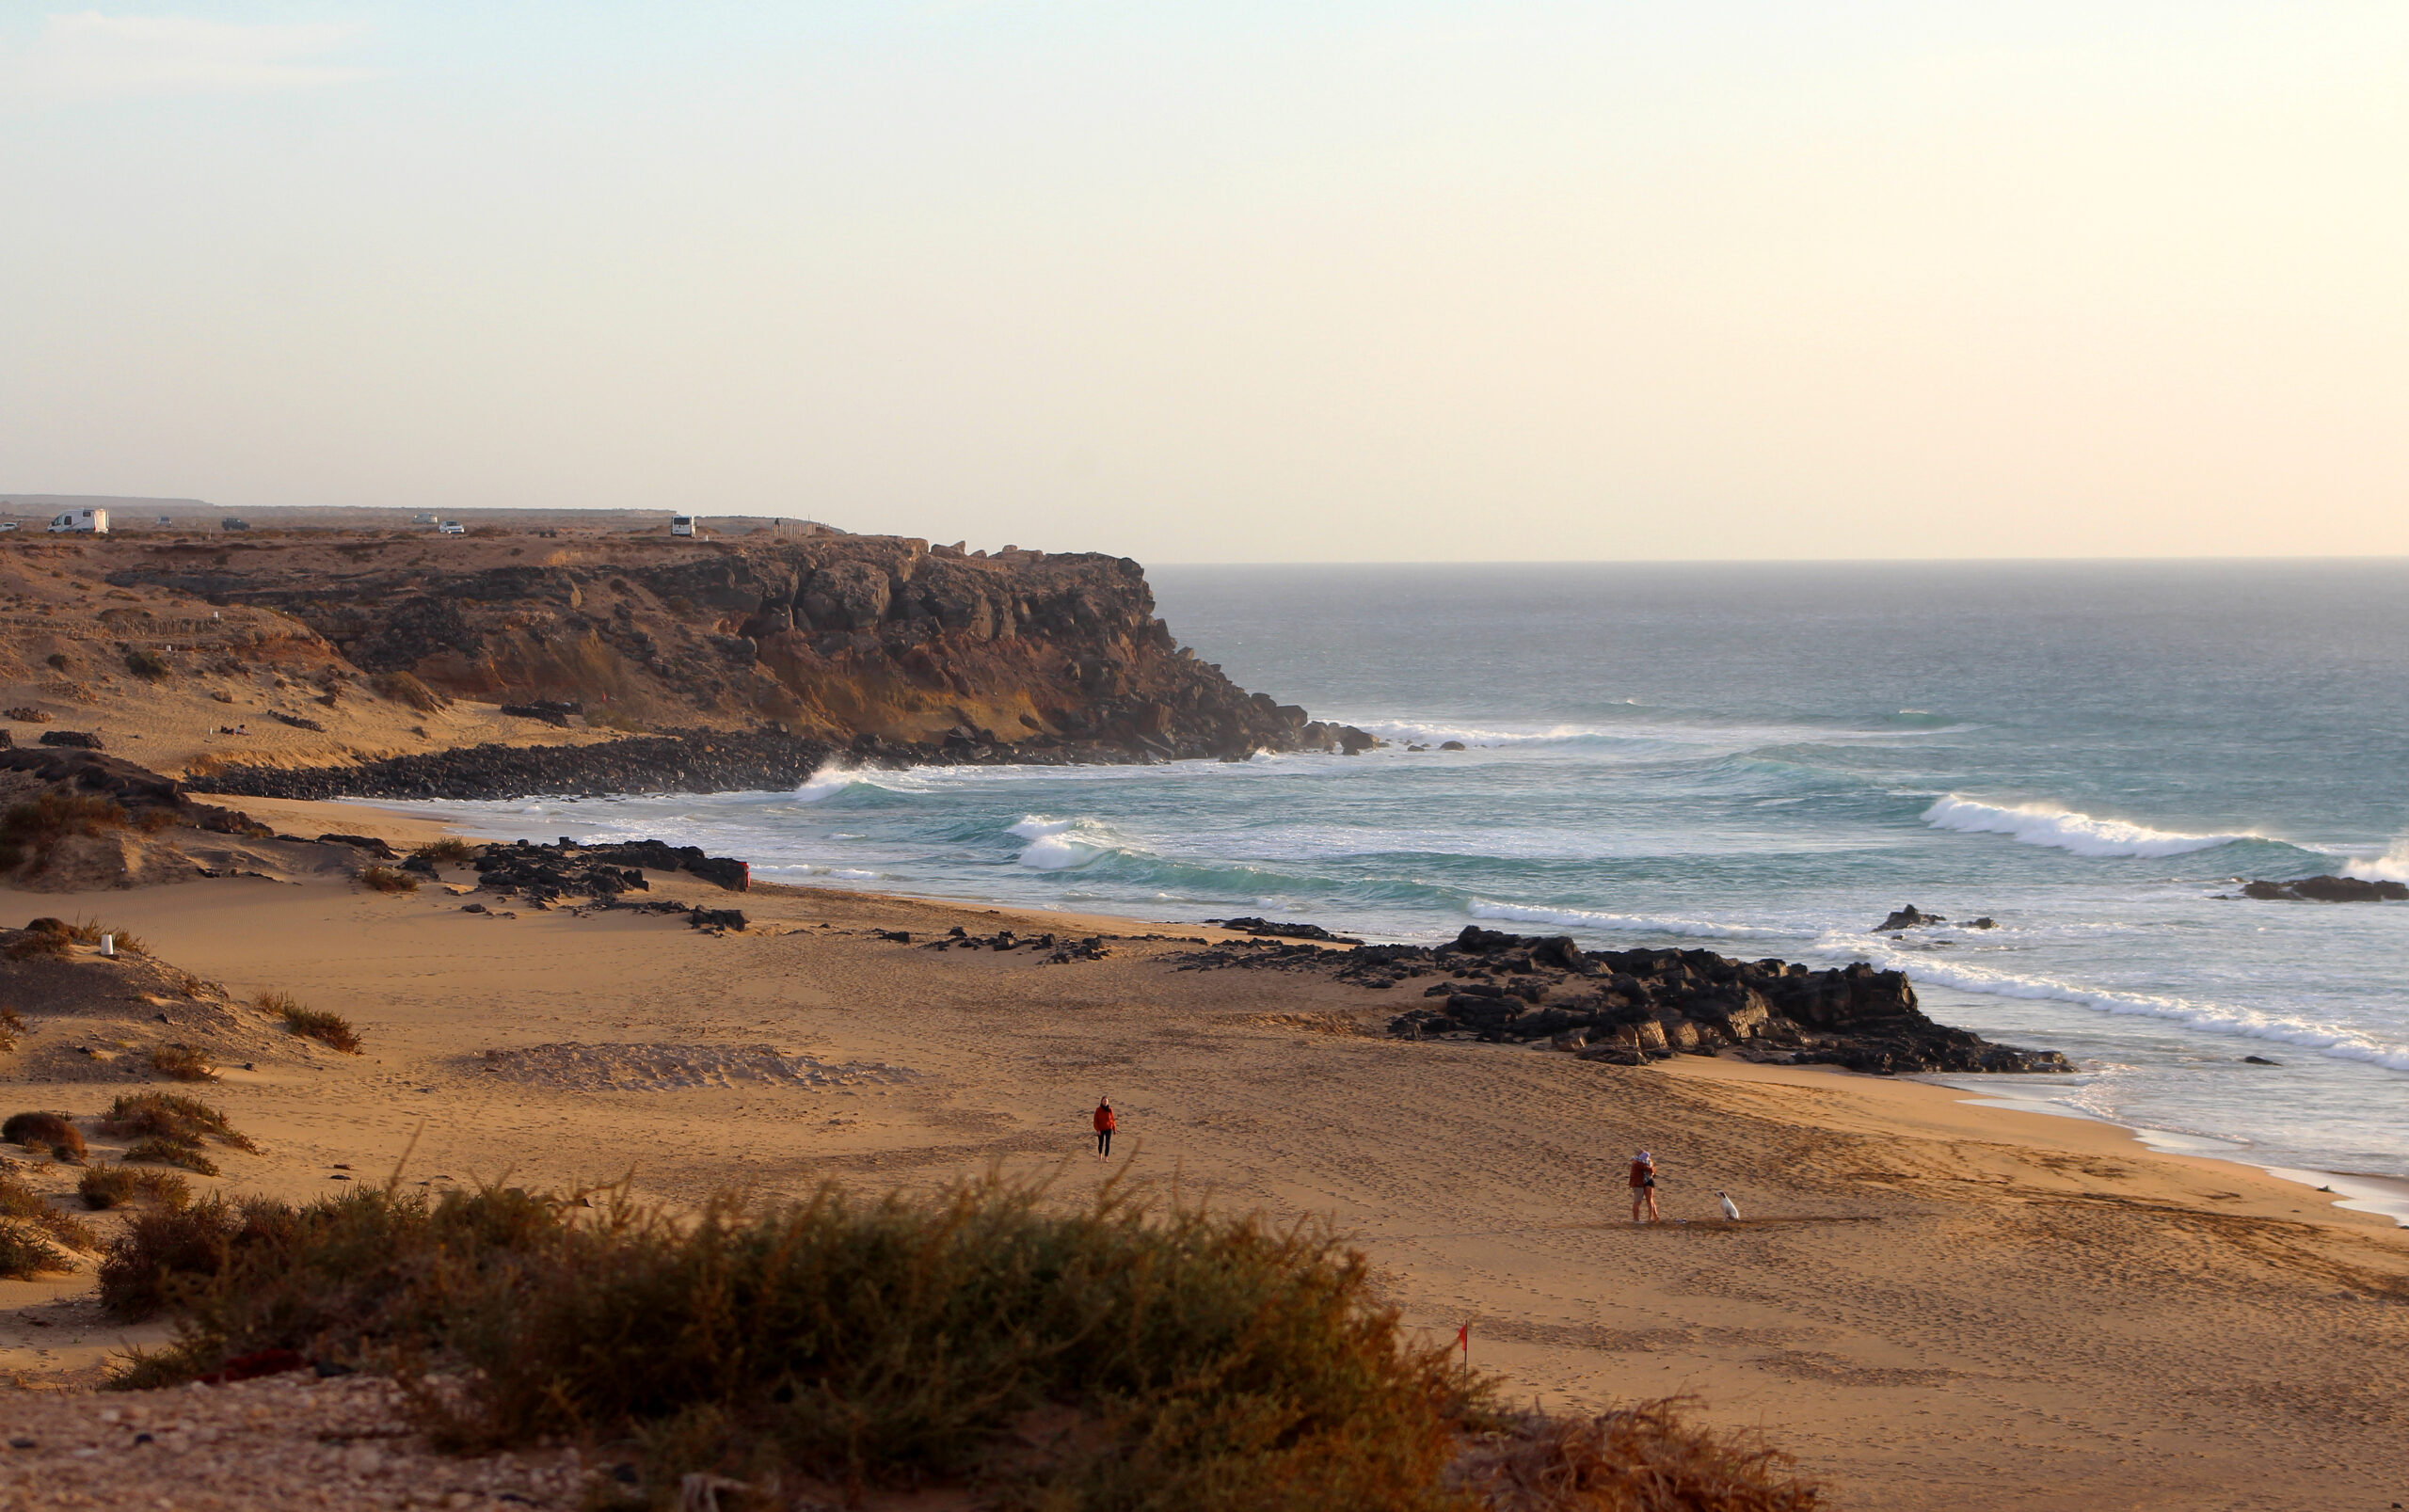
x,y
284,1441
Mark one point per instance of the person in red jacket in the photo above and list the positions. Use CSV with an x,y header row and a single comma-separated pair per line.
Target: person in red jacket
x,y
1105,1121
1643,1187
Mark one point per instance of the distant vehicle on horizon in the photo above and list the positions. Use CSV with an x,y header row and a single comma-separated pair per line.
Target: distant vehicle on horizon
x,y
451,527
231,523
8,524
422,519
81,522
682,524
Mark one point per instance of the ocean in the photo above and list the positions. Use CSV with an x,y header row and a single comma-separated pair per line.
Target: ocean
x,y
1765,760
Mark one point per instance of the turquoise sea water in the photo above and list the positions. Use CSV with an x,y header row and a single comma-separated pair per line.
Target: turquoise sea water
x,y
1765,760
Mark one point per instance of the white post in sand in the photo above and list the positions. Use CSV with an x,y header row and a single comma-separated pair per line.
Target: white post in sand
x,y
108,946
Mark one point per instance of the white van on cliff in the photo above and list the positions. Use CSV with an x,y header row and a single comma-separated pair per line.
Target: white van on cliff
x,y
81,522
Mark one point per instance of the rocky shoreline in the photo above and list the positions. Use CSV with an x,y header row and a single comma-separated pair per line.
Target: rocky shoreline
x,y
1633,1006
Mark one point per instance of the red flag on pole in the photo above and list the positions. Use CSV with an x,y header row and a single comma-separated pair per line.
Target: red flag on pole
x,y
1463,1342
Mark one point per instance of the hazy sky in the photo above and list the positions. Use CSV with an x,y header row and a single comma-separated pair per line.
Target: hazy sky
x,y
1230,280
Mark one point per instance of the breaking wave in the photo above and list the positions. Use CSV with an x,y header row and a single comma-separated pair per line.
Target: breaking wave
x,y
2066,830
2393,865
1580,919
2212,1018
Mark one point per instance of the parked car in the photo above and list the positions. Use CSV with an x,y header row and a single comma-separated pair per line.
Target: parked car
x,y
231,523
451,526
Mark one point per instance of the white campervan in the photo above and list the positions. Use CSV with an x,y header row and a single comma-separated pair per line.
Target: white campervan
x,y
81,522
682,524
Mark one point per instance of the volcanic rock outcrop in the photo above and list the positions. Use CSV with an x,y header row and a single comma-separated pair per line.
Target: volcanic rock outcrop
x,y
2327,890
829,637
1633,1005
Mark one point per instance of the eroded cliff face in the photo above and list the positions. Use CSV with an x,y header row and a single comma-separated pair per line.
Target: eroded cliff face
x,y
863,640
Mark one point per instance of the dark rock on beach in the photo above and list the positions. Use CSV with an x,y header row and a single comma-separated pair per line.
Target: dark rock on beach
x,y
1632,1006
2327,890
1267,929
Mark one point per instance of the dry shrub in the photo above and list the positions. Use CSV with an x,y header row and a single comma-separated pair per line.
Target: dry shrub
x,y
42,937
107,1186
1642,1459
169,1116
32,829
51,1131
146,666
28,714
1213,1363
21,1203
387,880
25,1254
88,931
172,1152
330,1030
11,1024
451,850
152,820
181,1062
402,688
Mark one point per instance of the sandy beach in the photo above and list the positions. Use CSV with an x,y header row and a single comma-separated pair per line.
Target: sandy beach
x,y
1926,1301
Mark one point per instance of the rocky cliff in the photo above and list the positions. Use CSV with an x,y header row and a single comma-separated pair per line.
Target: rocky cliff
x,y
850,638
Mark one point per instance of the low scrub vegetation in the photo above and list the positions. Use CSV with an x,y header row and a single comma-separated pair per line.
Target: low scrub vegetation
x,y
29,1227
387,880
31,832
1644,1458
448,850
330,1030
24,1252
181,1062
170,1152
170,1116
11,1024
146,666
1113,1355
48,1133
107,1186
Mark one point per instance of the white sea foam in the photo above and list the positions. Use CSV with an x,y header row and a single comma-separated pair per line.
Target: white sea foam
x,y
2214,1018
2393,865
2050,824
1597,920
1060,844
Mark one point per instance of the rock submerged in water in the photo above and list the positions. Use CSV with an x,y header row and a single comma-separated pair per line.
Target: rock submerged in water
x,y
1632,1006
2327,890
1911,917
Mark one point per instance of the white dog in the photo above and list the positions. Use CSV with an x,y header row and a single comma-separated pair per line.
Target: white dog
x,y
1730,1209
